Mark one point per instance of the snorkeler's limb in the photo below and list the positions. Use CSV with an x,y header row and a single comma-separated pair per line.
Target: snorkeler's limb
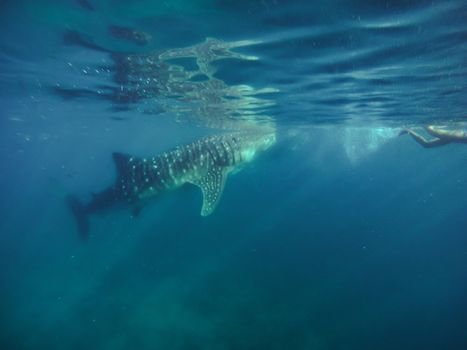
x,y
403,132
436,142
456,135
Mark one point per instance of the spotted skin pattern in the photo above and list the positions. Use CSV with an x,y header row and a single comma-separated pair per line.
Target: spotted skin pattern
x,y
204,163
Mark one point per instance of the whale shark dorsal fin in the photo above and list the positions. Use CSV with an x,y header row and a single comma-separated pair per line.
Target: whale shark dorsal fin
x,y
212,185
121,161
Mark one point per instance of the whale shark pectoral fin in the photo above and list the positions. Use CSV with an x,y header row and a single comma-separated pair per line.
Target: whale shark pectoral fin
x,y
212,186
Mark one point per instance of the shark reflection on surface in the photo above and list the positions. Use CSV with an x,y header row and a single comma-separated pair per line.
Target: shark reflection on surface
x,y
158,82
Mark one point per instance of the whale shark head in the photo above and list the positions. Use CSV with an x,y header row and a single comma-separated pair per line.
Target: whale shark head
x,y
248,143
256,142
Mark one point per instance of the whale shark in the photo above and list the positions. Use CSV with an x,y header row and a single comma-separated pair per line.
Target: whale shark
x,y
205,163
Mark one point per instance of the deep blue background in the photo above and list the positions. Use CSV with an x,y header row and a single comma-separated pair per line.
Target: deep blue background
x,y
322,243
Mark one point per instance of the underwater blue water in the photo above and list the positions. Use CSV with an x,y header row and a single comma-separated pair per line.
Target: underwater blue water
x,y
343,235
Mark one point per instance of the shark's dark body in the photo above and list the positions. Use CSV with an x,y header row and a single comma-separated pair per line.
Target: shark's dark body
x,y
204,163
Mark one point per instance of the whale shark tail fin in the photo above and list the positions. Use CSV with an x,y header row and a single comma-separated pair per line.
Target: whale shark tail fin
x,y
80,213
